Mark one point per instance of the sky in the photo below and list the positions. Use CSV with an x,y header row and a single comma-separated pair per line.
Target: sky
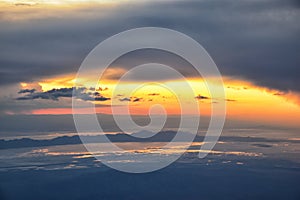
x,y
254,43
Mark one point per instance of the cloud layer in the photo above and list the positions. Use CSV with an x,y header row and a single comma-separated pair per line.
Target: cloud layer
x,y
253,40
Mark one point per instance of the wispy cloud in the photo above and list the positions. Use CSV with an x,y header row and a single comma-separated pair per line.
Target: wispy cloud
x,y
132,99
153,94
201,97
125,99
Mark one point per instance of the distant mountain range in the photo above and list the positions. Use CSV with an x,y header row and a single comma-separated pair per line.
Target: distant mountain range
x,y
164,136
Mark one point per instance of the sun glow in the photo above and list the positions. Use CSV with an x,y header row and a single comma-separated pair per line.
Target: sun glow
x,y
22,10
57,82
244,100
58,2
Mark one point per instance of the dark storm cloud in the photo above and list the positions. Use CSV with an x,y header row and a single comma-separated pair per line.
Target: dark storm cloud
x,y
254,40
55,94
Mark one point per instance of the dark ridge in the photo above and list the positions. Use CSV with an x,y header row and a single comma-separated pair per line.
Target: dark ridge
x,y
165,136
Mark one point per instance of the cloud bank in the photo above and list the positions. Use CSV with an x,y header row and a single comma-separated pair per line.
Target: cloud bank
x,y
253,40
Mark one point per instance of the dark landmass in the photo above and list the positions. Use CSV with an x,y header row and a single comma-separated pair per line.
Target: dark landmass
x,y
165,136
177,182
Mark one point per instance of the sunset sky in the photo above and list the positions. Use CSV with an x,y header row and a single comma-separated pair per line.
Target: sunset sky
x,y
256,48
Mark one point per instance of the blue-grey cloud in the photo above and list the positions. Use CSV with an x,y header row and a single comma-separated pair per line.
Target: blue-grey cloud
x,y
26,91
132,99
55,94
125,99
